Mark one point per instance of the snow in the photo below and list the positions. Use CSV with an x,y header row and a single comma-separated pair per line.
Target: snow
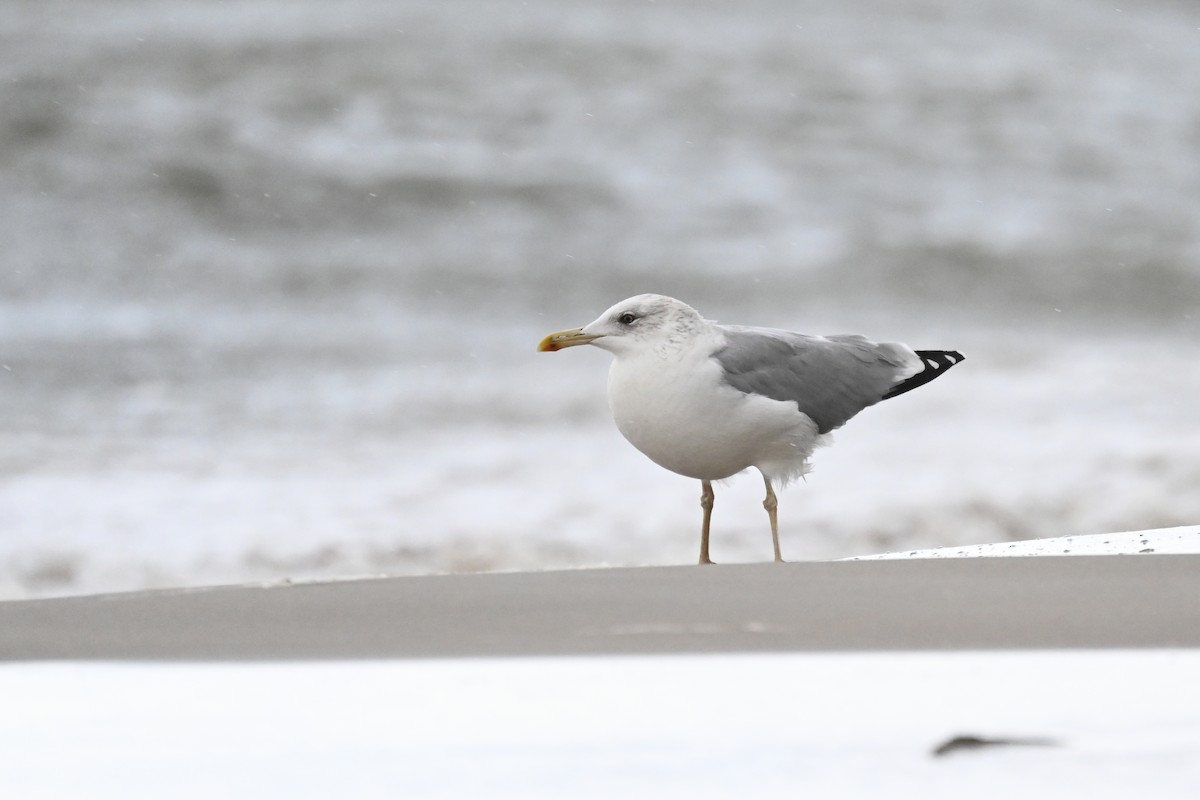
x,y
1183,540
1124,723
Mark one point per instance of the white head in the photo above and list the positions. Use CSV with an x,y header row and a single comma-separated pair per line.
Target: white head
x,y
639,322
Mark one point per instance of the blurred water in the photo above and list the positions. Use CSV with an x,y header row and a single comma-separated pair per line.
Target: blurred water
x,y
272,273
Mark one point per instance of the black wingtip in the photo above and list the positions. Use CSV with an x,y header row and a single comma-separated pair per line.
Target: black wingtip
x,y
936,363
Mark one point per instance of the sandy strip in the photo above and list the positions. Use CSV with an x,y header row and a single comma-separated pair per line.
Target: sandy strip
x,y
922,604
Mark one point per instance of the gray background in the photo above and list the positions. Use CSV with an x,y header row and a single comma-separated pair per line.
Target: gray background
x,y
272,273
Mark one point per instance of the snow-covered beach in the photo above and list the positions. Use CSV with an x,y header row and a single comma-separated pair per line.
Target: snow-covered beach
x,y
928,677
1115,724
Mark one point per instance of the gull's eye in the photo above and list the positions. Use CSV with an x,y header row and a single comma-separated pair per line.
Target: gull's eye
x,y
628,318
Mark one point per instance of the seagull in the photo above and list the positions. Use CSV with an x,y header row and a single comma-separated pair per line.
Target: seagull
x,y
708,401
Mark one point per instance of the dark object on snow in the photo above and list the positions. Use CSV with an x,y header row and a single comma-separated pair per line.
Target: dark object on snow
x,y
958,743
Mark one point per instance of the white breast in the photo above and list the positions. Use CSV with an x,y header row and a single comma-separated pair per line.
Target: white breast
x,y
675,407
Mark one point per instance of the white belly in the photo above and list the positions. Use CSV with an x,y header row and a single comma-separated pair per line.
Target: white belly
x,y
684,417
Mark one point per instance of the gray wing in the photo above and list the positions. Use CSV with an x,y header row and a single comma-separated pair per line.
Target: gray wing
x,y
830,378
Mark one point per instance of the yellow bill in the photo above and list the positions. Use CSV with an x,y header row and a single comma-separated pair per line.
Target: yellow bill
x,y
568,338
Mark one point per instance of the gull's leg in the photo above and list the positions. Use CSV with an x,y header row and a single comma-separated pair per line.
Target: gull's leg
x,y
771,504
706,502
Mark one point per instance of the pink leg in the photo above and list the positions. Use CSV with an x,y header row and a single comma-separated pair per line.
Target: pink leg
x,y
706,502
771,504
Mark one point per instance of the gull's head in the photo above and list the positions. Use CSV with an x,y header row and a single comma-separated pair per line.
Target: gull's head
x,y
642,321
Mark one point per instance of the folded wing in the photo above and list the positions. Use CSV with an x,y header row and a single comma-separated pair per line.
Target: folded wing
x,y
830,378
